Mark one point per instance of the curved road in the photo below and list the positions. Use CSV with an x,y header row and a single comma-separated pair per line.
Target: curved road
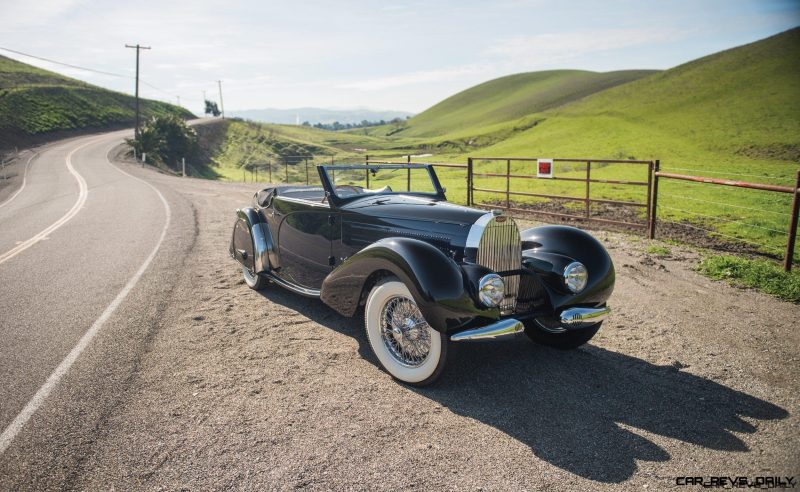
x,y
75,243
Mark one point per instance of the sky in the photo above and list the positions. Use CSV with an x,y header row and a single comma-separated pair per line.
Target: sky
x,y
399,55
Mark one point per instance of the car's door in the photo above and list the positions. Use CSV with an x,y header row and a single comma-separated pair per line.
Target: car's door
x,y
305,234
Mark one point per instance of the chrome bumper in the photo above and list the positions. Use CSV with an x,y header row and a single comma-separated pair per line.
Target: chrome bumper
x,y
570,319
581,317
498,329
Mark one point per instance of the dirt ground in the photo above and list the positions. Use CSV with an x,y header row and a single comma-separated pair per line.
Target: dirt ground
x,y
248,390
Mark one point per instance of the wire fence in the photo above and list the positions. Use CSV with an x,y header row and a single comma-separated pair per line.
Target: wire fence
x,y
742,215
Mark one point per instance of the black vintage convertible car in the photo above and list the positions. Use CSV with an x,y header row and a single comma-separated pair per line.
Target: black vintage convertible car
x,y
426,272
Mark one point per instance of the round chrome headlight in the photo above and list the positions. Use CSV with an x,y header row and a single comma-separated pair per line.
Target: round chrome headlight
x,y
491,289
576,276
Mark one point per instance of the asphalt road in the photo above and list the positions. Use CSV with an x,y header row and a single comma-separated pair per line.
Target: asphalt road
x,y
84,256
190,380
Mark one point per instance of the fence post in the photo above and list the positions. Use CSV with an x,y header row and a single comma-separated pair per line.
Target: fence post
x,y
244,176
508,184
651,231
269,170
469,182
366,164
649,195
588,181
286,168
183,165
408,173
256,174
787,261
307,181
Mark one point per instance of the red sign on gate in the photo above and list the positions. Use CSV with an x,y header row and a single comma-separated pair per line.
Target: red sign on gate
x,y
544,168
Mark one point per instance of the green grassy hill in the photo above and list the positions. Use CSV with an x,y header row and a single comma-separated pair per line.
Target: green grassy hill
x,y
35,103
739,103
511,98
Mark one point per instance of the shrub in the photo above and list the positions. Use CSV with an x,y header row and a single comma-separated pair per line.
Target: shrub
x,y
166,139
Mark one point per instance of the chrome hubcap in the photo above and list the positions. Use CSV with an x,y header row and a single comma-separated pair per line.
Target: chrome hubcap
x,y
405,332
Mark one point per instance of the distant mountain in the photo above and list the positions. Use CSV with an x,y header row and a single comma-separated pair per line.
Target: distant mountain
x,y
317,115
37,105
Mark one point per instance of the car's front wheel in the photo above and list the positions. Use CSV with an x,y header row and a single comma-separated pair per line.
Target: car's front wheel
x,y
253,280
567,340
404,343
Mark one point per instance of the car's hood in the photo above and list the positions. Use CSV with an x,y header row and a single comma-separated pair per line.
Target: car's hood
x,y
409,207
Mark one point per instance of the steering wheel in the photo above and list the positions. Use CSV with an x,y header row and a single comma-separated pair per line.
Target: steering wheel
x,y
351,187
355,190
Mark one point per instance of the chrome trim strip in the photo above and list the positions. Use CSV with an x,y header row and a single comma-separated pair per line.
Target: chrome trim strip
x,y
476,230
582,317
261,248
496,330
303,291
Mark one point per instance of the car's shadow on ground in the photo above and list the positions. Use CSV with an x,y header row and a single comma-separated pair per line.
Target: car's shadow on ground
x,y
572,408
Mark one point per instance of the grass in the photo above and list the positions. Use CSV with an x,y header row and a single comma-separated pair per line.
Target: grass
x,y
658,250
764,275
35,102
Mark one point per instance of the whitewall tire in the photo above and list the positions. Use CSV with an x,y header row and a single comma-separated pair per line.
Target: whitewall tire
x,y
254,281
405,345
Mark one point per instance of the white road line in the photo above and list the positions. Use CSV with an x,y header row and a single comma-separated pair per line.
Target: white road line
x,y
24,180
82,195
33,405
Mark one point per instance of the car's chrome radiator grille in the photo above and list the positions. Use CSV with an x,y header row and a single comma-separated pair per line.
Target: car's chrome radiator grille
x,y
500,249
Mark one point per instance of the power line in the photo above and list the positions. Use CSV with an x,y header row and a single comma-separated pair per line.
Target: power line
x,y
102,72
66,64
89,70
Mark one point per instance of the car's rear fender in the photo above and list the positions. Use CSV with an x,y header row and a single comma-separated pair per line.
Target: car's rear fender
x,y
251,241
435,281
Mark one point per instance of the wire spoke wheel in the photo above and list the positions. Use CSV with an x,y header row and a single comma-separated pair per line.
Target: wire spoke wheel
x,y
405,344
405,332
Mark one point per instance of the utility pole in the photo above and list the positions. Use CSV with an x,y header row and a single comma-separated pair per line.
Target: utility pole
x,y
179,100
221,105
136,133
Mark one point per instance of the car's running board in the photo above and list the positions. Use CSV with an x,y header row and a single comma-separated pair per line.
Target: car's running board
x,y
303,291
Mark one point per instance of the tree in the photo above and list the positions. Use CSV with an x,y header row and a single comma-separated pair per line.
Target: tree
x,y
166,139
211,108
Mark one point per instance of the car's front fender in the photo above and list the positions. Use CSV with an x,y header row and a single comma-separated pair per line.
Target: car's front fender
x,y
435,281
547,250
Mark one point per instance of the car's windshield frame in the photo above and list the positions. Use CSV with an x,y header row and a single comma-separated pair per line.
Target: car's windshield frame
x,y
328,181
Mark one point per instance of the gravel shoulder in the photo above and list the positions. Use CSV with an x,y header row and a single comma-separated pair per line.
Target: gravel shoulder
x,y
244,390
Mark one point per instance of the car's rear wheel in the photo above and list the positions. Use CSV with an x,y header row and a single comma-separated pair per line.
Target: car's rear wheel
x,y
253,280
404,343
566,340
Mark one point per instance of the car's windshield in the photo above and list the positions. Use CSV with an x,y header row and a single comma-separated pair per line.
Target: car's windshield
x,y
349,181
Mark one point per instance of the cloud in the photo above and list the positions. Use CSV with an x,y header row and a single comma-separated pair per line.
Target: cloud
x,y
436,75
21,15
540,49
525,53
